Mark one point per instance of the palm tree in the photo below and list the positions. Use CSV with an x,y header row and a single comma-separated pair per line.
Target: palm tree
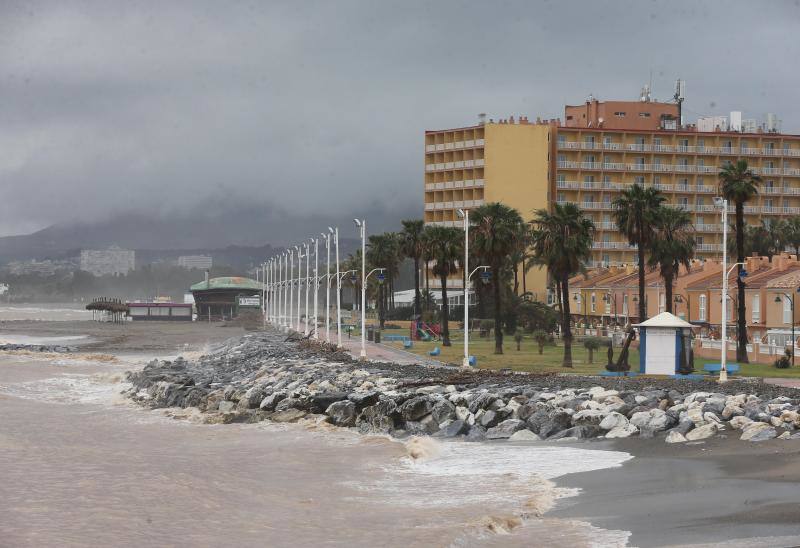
x,y
381,253
562,240
672,247
413,246
447,245
427,256
520,257
791,233
635,211
497,229
739,184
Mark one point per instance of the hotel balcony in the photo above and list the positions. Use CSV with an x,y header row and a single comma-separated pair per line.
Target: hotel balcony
x,y
636,147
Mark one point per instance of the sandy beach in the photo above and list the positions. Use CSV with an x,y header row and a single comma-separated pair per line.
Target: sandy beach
x,y
717,492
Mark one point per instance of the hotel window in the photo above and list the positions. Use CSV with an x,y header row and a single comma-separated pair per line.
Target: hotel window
x,y
561,197
606,259
619,114
562,139
588,178
683,162
625,305
561,178
588,201
787,310
562,158
639,180
608,303
594,302
698,201
756,308
657,141
662,302
701,144
607,141
702,307
684,142
657,180
644,115
683,202
589,140
683,184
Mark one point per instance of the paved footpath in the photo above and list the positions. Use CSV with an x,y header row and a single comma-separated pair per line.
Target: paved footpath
x,y
789,383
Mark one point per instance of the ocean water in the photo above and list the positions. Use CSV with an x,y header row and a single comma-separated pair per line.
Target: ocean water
x,y
42,312
82,466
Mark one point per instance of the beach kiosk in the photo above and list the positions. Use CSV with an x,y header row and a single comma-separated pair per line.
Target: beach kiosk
x,y
665,341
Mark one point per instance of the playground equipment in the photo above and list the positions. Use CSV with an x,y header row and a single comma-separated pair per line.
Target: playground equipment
x,y
421,331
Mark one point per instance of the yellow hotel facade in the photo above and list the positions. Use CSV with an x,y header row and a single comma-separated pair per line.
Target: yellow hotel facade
x,y
587,158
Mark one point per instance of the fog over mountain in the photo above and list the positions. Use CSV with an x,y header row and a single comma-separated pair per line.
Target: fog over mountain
x,y
261,122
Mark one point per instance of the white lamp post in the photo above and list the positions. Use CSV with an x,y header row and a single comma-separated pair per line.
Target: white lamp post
x,y
308,262
338,291
362,225
328,285
316,284
281,290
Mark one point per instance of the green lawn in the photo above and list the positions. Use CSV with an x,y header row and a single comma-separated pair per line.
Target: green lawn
x,y
529,359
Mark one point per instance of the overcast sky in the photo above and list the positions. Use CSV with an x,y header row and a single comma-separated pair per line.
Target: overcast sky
x,y
311,107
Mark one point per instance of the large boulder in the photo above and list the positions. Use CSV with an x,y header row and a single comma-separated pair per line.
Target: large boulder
x,y
291,403
702,432
252,398
557,420
288,415
489,419
524,435
613,420
455,428
675,437
588,417
654,420
476,433
416,408
342,413
321,401
269,402
758,431
740,422
378,417
443,411
364,399
622,431
482,401
505,429
578,432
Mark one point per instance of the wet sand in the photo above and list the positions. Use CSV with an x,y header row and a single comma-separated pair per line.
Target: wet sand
x,y
715,492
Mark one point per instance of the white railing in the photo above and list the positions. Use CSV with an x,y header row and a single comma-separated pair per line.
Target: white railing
x,y
613,165
709,247
708,228
606,225
567,164
574,185
590,165
612,245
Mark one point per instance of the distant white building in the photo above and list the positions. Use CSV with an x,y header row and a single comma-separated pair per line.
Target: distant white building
x,y
113,260
200,262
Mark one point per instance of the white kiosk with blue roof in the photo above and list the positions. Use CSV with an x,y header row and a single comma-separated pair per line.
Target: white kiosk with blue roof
x,y
664,341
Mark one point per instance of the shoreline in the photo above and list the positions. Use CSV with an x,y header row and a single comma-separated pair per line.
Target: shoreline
x,y
716,490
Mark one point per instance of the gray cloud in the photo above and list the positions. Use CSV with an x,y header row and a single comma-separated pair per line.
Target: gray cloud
x,y
318,108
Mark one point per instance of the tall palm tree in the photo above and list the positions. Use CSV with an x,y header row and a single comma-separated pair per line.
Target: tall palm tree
x,y
413,246
427,255
381,253
447,247
497,229
673,246
739,184
520,257
791,233
635,211
562,240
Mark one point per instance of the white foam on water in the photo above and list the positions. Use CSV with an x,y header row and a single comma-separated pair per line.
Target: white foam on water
x,y
43,313
99,388
28,339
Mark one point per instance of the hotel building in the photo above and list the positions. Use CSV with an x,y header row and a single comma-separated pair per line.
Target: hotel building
x,y
598,149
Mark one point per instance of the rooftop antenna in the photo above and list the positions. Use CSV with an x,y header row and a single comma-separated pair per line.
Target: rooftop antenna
x,y
680,93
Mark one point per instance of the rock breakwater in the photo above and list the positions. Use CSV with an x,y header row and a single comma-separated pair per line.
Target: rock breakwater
x,y
261,376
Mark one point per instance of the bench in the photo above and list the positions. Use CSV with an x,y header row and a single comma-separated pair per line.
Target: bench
x,y
732,368
396,338
435,352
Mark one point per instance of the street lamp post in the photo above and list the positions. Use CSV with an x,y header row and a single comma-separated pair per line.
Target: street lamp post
x,y
316,283
485,279
307,280
328,286
362,225
723,371
791,301
291,288
338,290
299,284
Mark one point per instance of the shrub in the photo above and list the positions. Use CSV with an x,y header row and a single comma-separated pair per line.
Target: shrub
x,y
785,361
592,344
518,338
541,339
486,327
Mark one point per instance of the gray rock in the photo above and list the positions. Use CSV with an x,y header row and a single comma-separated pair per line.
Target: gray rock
x,y
702,432
675,437
524,435
578,432
342,413
455,428
489,419
252,398
591,417
364,399
378,417
482,401
683,427
290,403
320,402
442,411
416,408
505,429
270,402
758,431
557,420
622,431
476,433
613,420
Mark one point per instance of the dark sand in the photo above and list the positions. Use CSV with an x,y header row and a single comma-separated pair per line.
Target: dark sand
x,y
717,492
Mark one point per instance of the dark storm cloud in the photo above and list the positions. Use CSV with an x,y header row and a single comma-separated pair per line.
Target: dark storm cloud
x,y
159,107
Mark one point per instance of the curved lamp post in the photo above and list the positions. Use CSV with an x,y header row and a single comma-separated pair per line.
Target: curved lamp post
x,y
486,277
790,298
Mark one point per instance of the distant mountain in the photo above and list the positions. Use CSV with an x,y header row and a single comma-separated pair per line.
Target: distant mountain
x,y
229,235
